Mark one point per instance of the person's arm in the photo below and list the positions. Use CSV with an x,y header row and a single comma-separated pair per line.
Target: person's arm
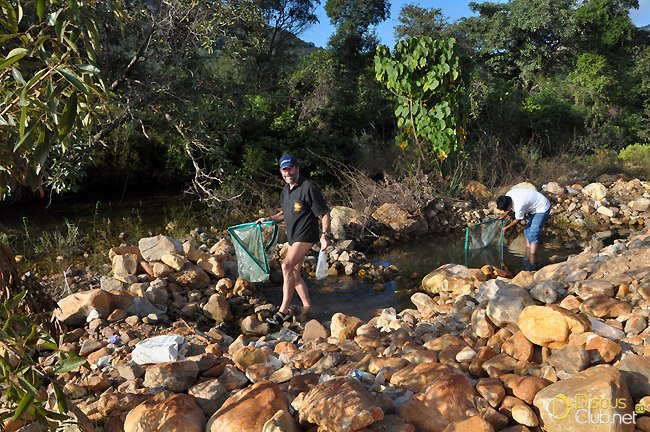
x,y
278,217
510,225
326,236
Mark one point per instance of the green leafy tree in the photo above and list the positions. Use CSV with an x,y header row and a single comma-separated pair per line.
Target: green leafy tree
x,y
354,37
415,20
424,76
51,91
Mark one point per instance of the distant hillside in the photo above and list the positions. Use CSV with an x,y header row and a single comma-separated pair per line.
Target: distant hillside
x,y
645,28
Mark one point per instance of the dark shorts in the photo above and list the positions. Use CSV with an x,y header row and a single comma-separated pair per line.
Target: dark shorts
x,y
534,224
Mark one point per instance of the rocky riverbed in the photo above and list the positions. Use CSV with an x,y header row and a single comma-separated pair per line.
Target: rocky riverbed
x,y
175,341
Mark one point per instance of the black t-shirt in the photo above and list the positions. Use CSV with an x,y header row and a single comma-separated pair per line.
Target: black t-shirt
x,y
301,207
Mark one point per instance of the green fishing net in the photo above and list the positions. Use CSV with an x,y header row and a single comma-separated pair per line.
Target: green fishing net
x,y
254,244
484,243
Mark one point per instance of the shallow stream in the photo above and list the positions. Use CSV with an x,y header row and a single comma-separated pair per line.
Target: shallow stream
x,y
169,214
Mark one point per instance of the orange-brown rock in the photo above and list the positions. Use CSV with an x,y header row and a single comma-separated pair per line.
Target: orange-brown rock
x,y
249,409
445,401
340,404
176,413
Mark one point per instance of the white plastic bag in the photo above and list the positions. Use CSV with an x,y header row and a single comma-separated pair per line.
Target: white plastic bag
x,y
158,349
321,266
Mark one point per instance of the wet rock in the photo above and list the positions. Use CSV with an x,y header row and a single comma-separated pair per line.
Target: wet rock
x,y
355,406
178,412
249,409
603,385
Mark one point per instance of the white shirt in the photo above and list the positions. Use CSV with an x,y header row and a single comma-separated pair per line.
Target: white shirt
x,y
526,201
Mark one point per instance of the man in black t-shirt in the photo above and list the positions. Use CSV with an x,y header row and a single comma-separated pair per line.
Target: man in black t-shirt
x,y
302,203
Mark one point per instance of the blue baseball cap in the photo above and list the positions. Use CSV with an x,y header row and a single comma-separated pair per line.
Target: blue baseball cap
x,y
288,161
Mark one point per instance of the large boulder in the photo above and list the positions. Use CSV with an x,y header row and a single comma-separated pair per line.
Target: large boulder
x,y
399,220
340,404
176,413
348,223
153,248
454,279
596,399
249,409
75,308
550,326
445,401
504,307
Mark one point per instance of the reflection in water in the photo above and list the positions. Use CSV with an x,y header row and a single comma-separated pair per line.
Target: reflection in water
x,y
347,295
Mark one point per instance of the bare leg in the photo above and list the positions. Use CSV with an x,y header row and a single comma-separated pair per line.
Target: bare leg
x,y
533,252
301,288
292,280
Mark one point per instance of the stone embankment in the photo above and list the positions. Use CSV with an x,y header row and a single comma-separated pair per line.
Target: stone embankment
x,y
548,350
609,203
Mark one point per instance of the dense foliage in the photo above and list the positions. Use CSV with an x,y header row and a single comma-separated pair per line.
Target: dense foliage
x,y
183,92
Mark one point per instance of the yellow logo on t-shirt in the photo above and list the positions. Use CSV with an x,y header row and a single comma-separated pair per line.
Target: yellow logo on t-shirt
x,y
297,206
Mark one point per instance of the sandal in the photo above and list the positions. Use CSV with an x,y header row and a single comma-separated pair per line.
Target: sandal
x,y
279,318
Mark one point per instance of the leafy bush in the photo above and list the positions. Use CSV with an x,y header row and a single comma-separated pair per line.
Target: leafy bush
x,y
637,155
24,381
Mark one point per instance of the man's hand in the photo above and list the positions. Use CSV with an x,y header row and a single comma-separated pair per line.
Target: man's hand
x,y
262,219
324,241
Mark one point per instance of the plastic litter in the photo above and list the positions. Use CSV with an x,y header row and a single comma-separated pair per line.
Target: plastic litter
x,y
322,270
254,244
158,349
104,361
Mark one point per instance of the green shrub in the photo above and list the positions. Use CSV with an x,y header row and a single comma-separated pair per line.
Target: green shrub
x,y
638,156
23,380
